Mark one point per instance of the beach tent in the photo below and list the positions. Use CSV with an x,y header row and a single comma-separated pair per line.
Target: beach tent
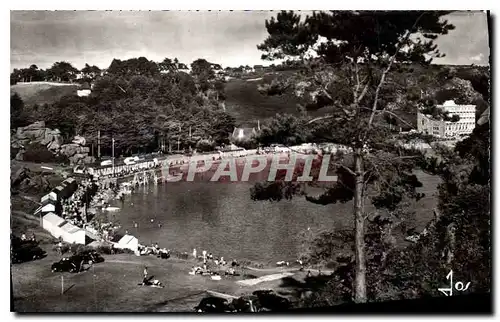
x,y
128,242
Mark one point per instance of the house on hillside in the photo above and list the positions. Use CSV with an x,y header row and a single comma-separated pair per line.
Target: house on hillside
x,y
242,134
84,90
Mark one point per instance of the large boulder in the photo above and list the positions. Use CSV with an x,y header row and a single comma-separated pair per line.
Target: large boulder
x,y
80,140
88,159
56,143
35,131
77,158
69,149
20,155
52,135
19,176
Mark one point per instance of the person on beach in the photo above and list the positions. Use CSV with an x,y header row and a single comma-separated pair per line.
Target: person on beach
x,y
204,253
194,253
145,273
59,248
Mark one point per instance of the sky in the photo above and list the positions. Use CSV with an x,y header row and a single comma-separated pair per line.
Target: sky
x,y
227,38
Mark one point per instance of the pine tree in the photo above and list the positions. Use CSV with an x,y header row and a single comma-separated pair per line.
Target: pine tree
x,y
357,50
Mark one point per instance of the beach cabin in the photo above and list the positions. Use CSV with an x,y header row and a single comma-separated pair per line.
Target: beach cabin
x,y
59,191
51,222
50,196
73,234
70,184
49,206
58,227
127,242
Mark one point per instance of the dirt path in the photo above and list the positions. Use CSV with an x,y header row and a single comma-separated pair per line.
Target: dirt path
x,y
284,270
265,278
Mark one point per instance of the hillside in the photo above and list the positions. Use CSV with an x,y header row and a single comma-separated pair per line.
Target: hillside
x,y
463,84
42,92
247,105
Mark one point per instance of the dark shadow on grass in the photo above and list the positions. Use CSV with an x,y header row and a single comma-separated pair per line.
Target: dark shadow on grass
x,y
311,283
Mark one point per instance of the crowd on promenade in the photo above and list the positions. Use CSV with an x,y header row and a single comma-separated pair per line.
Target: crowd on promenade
x,y
74,208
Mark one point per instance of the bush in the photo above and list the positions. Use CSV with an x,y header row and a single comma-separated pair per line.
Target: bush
x,y
205,146
78,248
107,250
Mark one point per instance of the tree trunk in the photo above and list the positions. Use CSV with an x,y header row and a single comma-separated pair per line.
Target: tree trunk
x,y
359,220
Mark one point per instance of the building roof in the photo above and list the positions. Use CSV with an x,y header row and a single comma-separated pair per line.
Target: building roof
x,y
48,208
69,181
127,239
49,195
53,219
70,228
58,189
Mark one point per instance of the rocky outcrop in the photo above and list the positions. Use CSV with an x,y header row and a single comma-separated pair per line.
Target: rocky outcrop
x,y
25,180
37,133
34,132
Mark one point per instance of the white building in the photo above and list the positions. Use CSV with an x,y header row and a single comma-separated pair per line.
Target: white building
x,y
447,129
58,227
467,122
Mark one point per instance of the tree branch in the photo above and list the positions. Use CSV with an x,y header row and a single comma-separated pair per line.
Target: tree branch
x,y
386,71
321,118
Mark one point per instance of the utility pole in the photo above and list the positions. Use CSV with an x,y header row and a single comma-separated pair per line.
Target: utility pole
x,y
179,139
113,154
190,138
98,144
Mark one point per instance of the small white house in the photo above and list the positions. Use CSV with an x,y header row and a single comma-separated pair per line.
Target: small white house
x,y
128,242
50,196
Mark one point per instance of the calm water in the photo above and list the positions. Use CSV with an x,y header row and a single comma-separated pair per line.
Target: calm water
x,y
221,218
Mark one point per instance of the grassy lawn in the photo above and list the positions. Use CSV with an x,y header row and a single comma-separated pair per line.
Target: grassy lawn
x,y
112,286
